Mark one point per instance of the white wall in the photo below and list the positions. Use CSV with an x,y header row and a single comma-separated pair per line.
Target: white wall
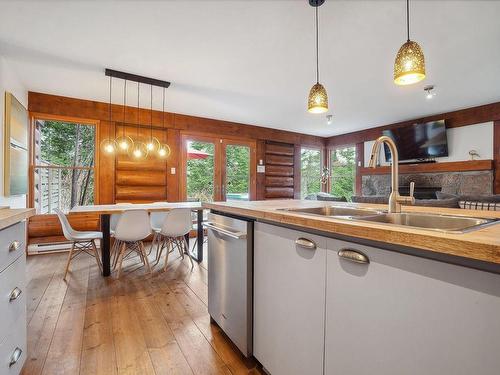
x,y
11,83
461,140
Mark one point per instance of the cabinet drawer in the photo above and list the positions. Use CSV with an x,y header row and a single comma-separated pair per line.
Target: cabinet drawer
x,y
12,243
12,294
13,349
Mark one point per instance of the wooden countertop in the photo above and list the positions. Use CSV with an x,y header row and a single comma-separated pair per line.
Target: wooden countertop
x,y
10,216
482,244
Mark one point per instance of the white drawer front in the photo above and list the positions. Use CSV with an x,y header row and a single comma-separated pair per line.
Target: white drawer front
x,y
12,243
12,295
13,349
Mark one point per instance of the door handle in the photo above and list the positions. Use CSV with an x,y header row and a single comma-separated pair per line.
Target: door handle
x,y
305,243
16,292
226,231
15,356
353,256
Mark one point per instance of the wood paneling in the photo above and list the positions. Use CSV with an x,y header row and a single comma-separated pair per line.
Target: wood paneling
x,y
279,192
496,156
455,166
281,175
142,193
360,160
279,181
279,170
279,160
279,149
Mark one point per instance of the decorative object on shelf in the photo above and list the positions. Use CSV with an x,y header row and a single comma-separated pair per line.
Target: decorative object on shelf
x,y
15,162
318,98
409,66
429,91
473,154
108,145
125,144
325,175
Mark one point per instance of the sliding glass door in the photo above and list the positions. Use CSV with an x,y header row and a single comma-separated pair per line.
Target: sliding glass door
x,y
215,169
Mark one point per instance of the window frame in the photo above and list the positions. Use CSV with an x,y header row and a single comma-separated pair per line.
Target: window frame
x,y
323,163
35,116
330,167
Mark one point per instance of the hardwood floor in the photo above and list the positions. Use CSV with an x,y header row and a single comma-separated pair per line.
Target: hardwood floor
x,y
140,324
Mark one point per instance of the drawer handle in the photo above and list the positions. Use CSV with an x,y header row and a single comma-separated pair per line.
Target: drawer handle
x,y
15,356
305,243
14,245
15,294
353,256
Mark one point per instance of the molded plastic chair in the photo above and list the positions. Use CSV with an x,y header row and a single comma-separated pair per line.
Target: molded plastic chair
x,y
132,228
80,241
176,225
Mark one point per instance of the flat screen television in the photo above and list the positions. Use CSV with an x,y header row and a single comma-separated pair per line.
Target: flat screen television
x,y
419,141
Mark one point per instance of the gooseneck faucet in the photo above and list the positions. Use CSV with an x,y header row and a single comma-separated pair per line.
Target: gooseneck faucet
x,y
395,200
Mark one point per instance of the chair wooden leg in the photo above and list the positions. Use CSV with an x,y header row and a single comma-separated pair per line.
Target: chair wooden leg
x,y
69,260
180,246
97,256
159,252
120,258
169,243
187,250
145,257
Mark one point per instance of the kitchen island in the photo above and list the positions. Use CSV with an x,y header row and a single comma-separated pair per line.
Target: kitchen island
x,y
339,296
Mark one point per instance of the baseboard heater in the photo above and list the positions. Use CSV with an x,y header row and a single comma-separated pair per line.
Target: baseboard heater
x,y
51,247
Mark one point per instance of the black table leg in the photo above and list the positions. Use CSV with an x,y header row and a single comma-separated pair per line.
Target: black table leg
x,y
105,252
200,236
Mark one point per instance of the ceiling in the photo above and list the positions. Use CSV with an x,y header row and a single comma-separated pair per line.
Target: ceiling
x,y
253,61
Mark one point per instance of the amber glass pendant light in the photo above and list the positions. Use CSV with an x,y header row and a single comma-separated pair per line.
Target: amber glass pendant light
x,y
108,145
318,98
409,67
124,143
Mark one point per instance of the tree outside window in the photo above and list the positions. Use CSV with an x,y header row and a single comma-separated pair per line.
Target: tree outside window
x,y
64,165
343,172
310,171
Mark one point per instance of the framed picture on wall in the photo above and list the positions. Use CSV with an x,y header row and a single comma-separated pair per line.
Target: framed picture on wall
x,y
16,138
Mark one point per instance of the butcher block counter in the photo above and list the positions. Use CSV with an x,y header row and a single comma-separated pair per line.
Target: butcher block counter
x,y
481,244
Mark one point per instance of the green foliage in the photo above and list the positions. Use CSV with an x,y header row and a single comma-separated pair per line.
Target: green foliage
x,y
310,171
237,169
343,172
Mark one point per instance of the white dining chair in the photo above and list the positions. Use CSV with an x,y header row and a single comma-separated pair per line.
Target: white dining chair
x,y
132,228
113,222
81,241
176,225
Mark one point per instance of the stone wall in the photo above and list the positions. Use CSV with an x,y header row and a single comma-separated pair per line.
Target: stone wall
x,y
479,182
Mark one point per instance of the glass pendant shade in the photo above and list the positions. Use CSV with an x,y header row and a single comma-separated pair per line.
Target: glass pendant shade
x,y
409,66
153,145
108,146
124,144
139,151
318,99
164,151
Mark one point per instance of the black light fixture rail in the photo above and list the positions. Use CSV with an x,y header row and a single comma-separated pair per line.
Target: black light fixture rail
x,y
136,78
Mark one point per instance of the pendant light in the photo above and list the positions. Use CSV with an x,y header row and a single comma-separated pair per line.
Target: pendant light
x,y
153,143
108,145
139,150
409,66
124,143
318,98
164,149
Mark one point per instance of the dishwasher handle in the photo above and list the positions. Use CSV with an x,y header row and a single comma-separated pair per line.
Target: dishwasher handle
x,y
225,231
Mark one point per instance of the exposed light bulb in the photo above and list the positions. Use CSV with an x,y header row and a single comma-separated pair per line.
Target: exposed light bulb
x,y
150,146
109,148
137,153
162,152
123,145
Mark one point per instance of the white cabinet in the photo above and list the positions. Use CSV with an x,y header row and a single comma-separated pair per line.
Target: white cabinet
x,y
289,300
402,314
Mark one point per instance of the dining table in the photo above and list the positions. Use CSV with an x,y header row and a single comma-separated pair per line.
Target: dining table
x,y
106,210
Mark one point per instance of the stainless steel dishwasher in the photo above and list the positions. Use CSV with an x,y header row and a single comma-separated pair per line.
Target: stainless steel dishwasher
x,y
230,278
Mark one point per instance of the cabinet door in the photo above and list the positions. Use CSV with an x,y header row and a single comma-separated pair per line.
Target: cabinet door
x,y
289,301
402,314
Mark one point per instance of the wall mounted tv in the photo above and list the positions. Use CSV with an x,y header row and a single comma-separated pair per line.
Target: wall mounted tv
x,y
420,141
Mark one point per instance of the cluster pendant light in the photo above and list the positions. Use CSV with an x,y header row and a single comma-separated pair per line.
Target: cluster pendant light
x,y
124,144
409,66
318,98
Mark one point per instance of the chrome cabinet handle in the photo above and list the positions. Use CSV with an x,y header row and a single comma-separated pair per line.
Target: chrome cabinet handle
x,y
305,243
353,256
15,356
16,292
14,245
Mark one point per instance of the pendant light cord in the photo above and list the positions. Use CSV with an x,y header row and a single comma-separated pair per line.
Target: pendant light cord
x,y
163,110
124,100
408,20
138,89
317,46
151,133
110,115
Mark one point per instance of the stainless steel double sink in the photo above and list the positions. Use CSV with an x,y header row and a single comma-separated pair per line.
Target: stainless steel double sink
x,y
436,222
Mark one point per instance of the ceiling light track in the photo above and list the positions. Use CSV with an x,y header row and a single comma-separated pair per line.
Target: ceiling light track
x,y
137,78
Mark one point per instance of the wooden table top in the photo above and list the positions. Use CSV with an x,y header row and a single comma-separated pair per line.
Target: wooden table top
x,y
482,244
10,216
150,207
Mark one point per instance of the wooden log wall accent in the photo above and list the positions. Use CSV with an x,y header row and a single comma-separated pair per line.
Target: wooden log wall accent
x,y
279,177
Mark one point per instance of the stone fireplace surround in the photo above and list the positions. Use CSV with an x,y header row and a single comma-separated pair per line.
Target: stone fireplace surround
x,y
460,183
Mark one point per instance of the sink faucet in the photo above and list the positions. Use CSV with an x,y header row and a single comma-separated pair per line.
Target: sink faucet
x,y
395,200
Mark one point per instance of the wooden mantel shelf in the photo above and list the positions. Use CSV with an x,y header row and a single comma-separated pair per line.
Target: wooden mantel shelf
x,y
453,166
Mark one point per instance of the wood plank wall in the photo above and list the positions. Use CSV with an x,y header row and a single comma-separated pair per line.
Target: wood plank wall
x,y
280,176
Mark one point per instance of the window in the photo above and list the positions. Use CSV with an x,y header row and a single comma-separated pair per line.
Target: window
x,y
200,171
343,172
310,171
64,158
